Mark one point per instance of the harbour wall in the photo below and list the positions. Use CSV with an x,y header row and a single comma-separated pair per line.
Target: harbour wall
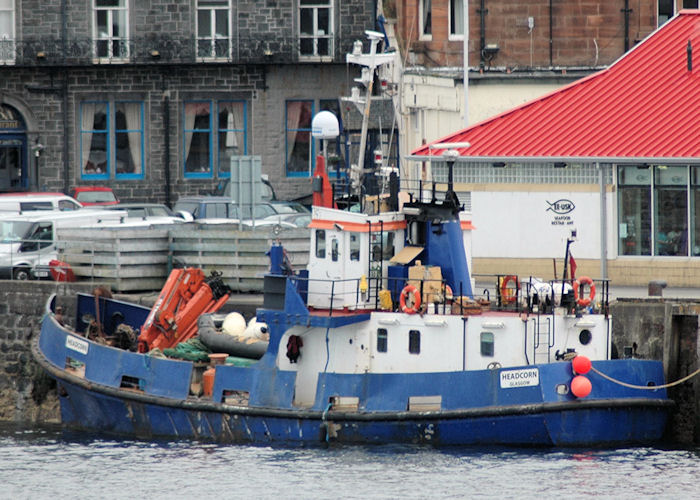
x,y
649,328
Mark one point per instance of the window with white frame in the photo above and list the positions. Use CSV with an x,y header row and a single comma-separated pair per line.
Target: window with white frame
x,y
7,31
315,28
212,139
213,29
456,14
112,139
111,29
425,19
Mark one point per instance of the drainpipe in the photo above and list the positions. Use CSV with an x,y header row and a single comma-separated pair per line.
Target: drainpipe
x,y
482,31
627,12
166,139
603,222
551,56
64,91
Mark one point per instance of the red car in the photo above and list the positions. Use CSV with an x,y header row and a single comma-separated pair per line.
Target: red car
x,y
94,195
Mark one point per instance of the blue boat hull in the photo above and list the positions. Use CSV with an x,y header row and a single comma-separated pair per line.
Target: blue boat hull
x,y
591,423
474,408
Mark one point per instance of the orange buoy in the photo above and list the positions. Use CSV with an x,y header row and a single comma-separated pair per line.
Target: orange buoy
x,y
581,386
581,365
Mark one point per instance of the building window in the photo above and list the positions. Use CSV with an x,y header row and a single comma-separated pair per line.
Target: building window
x,y
414,341
653,210
321,243
665,11
426,19
213,29
112,139
299,147
690,4
695,210
7,31
111,29
671,210
315,28
232,133
634,210
456,14
198,139
382,340
487,343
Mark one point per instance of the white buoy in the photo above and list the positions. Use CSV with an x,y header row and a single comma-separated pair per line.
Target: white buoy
x,y
234,324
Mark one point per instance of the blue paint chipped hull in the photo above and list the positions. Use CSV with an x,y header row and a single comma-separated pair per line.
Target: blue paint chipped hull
x,y
474,408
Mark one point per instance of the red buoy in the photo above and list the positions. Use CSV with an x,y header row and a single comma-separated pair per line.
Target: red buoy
x,y
580,386
581,365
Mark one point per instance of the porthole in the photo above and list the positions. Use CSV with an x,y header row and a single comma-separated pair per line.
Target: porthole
x,y
585,337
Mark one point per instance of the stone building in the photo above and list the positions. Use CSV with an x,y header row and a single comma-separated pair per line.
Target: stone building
x,y
153,97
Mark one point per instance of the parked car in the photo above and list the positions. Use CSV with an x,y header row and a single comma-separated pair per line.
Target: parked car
x,y
289,207
268,192
155,213
221,207
94,195
15,203
297,219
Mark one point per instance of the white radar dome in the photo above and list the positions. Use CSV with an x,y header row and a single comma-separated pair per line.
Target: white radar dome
x,y
325,126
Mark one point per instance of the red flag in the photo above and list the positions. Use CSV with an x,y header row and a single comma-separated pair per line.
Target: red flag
x,y
572,265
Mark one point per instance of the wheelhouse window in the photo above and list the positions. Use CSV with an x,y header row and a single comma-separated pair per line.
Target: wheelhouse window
x,y
112,139
321,243
213,29
456,14
315,28
414,342
110,29
487,344
382,340
299,147
7,31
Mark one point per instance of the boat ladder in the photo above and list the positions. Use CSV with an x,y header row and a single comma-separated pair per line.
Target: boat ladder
x,y
542,338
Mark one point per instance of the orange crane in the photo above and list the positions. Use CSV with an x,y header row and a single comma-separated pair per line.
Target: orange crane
x,y
186,295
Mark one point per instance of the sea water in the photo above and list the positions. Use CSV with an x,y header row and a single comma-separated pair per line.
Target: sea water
x,y
49,463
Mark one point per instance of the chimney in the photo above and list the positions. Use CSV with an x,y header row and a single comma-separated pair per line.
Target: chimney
x,y
689,51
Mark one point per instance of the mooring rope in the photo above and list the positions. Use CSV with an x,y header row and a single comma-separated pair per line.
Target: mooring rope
x,y
652,387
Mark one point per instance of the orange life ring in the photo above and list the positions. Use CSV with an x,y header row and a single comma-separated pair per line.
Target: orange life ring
x,y
584,301
505,291
408,290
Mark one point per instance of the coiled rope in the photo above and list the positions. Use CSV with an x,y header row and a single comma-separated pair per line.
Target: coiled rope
x,y
651,387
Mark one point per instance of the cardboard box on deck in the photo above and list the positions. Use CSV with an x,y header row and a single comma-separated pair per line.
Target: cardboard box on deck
x,y
431,277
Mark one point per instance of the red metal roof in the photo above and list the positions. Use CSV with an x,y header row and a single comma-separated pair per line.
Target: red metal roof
x,y
645,105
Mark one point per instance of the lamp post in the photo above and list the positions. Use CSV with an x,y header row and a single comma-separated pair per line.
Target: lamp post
x,y
37,148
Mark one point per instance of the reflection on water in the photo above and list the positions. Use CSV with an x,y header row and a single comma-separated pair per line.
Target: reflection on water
x,y
46,462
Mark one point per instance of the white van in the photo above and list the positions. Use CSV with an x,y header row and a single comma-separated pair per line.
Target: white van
x,y
28,241
18,203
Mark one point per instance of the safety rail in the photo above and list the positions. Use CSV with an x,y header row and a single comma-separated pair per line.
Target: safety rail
x,y
337,296
533,295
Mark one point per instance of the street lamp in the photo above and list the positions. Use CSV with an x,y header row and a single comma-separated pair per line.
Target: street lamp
x,y
37,148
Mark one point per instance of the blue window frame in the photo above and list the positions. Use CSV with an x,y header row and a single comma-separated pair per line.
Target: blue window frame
x,y
111,140
214,131
198,141
232,133
299,146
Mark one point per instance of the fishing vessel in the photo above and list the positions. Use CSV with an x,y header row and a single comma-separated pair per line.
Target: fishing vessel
x,y
380,339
